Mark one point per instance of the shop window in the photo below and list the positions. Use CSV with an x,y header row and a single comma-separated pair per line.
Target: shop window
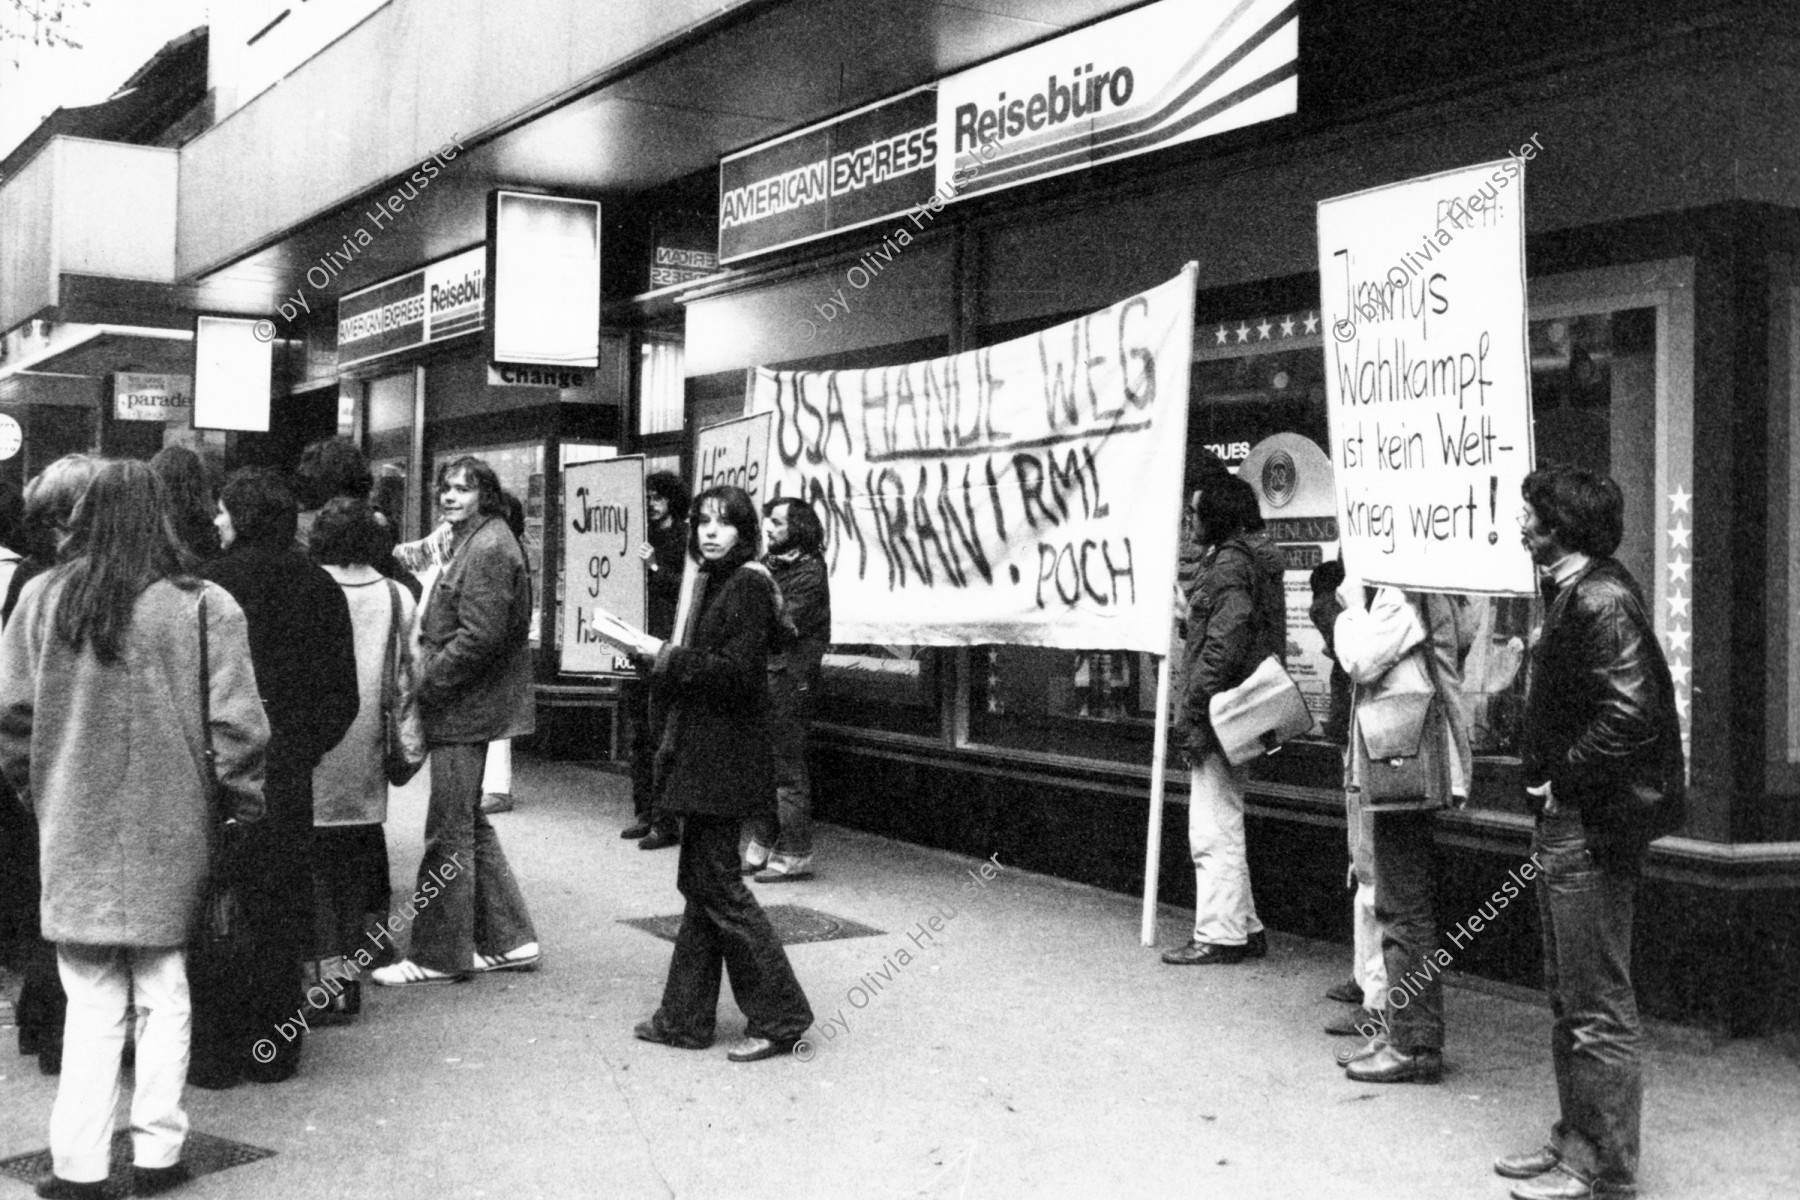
x,y
660,382
892,688
1257,400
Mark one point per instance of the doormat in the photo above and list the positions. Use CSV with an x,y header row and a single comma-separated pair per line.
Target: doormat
x,y
203,1154
794,925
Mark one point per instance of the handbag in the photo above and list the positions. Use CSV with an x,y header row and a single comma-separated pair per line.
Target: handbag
x,y
1258,715
223,929
402,726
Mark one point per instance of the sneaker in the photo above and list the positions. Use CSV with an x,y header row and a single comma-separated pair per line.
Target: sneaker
x,y
495,802
787,868
756,856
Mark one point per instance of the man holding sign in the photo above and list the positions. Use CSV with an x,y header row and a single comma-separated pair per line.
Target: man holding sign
x,y
664,556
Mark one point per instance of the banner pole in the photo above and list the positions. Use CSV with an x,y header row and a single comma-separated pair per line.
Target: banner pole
x,y
1159,755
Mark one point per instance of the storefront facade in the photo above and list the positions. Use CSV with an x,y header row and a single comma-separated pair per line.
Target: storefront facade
x,y
1660,323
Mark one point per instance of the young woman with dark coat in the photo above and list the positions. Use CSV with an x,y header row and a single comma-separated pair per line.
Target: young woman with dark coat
x,y
304,651
715,686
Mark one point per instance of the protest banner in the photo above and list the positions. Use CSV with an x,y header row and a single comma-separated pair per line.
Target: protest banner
x,y
1428,378
604,523
1027,493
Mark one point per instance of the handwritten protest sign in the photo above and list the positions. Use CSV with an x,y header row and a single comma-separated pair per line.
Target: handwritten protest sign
x,y
735,454
1428,378
603,526
1027,493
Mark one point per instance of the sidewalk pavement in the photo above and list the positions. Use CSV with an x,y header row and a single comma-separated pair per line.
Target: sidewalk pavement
x,y
1029,1047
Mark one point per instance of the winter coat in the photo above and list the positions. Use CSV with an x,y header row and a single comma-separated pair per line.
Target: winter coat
x,y
109,756
305,657
806,599
1237,618
350,783
475,668
1600,721
716,689
1406,644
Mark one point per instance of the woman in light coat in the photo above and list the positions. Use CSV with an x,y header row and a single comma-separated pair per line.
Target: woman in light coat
x,y
101,735
350,788
1403,653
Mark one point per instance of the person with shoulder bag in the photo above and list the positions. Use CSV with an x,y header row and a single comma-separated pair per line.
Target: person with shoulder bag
x,y
1409,755
1236,619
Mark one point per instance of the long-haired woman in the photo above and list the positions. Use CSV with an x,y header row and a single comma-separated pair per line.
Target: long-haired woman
x,y
101,732
715,685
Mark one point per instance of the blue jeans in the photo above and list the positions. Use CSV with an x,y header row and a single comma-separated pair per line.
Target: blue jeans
x,y
1405,854
1587,910
479,907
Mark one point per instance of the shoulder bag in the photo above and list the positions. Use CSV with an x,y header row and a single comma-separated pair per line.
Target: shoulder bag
x,y
1266,709
402,727
1401,724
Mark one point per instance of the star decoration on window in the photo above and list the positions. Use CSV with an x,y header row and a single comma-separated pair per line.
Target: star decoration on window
x,y
1678,639
1678,671
1263,329
1243,332
1678,569
1312,323
1287,327
1678,606
1678,537
1681,710
1678,500
1221,333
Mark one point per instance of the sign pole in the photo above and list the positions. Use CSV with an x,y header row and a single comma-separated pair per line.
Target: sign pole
x,y
1159,756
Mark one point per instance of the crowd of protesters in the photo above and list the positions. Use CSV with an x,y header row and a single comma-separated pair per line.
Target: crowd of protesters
x,y
199,686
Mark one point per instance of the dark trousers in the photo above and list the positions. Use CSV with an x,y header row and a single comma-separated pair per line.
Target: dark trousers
x,y
724,928
350,887
466,899
1587,908
790,710
1405,846
646,736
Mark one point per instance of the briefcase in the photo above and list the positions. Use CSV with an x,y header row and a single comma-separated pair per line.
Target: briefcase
x,y
1258,715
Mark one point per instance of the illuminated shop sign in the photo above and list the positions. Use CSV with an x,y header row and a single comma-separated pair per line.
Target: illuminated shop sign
x,y
439,301
544,257
862,167
1155,77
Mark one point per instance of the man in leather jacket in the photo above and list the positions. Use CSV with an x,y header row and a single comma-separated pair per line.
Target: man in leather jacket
x,y
1604,768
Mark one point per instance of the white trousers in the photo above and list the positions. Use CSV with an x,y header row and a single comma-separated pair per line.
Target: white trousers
x,y
1367,965
100,982
1224,910
497,777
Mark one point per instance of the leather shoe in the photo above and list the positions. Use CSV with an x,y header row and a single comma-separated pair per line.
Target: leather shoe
x,y
1391,1064
636,830
649,1031
1204,954
1358,1022
1561,1183
1368,1049
55,1187
755,1049
495,802
1256,945
660,839
1529,1164
1347,992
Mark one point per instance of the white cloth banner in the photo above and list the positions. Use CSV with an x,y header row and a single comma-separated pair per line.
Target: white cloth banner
x,y
1428,379
1028,493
